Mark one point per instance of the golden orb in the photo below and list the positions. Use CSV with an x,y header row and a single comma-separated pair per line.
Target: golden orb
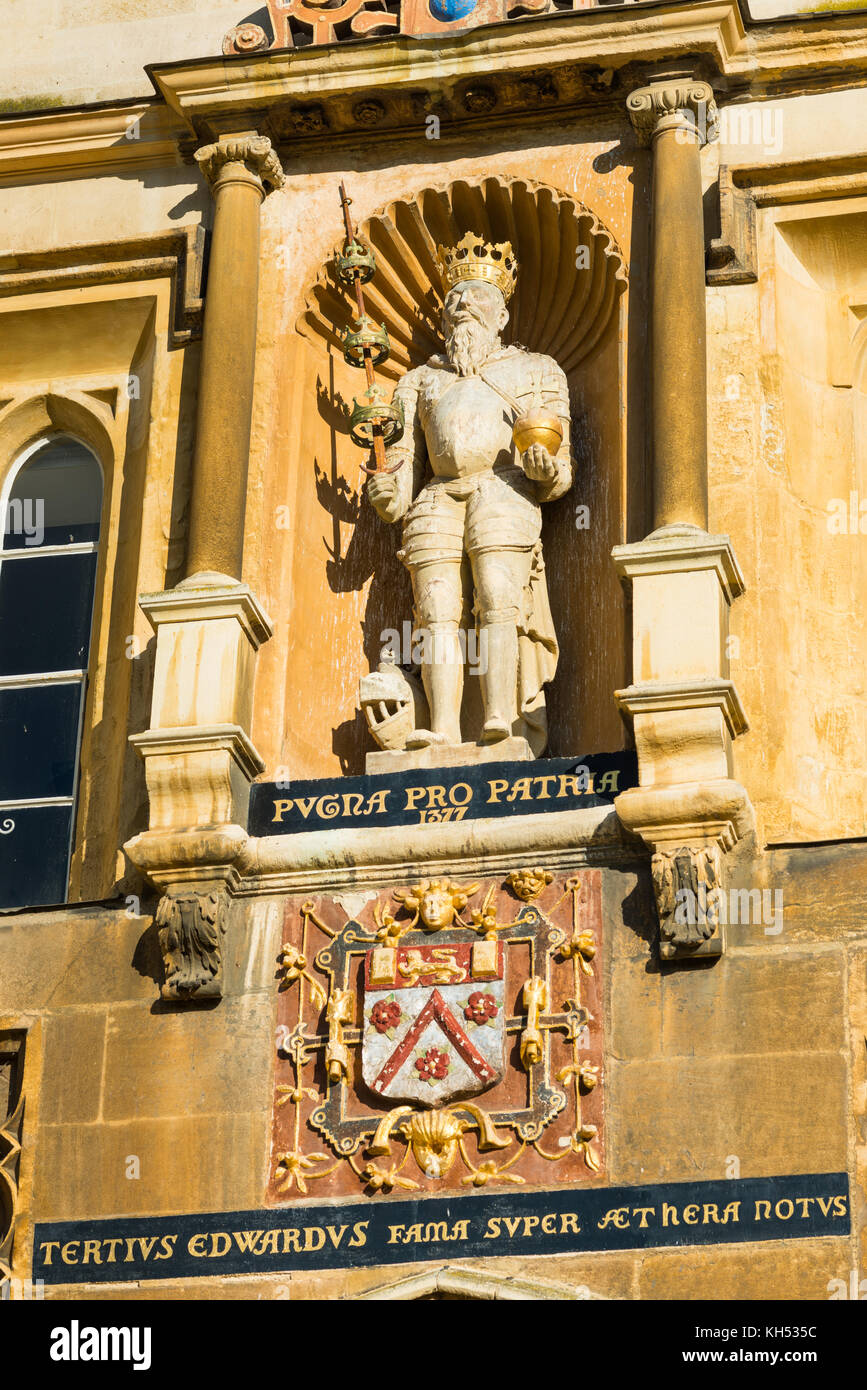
x,y
538,426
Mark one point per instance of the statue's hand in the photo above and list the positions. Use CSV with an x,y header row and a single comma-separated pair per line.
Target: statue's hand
x,y
382,491
538,464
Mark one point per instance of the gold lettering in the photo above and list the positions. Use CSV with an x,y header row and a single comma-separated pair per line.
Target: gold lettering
x,y
549,1230
569,1222
128,1257
492,1233
413,797
436,796
615,1216
246,1240
70,1259
460,1230
453,794
291,1238
359,1233
690,1220
497,787
839,1206
767,1212
784,1202
530,1224
377,799
269,1244
522,787
280,809
395,1234
168,1248
669,1212
220,1235
544,781
608,782
115,1242
643,1212
734,1208
511,1223
327,807
413,1235
91,1247
804,1204
305,805
314,1237
436,1230
193,1245
146,1244
335,1236
48,1245
710,1213
348,808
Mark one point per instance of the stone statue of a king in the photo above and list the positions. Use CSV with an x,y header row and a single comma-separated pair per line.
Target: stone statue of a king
x,y
485,442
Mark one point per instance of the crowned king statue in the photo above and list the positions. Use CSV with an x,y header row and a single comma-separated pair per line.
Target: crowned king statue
x,y
485,442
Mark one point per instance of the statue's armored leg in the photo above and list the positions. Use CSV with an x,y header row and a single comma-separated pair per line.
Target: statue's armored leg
x,y
438,601
500,579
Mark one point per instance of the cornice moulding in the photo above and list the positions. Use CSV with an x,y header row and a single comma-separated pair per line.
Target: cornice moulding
x,y
84,141
189,603
213,89
654,697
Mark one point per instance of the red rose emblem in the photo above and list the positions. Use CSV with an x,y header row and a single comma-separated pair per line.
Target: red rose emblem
x,y
433,1065
481,1007
384,1015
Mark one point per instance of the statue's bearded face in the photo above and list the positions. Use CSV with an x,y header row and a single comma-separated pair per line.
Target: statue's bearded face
x,y
474,315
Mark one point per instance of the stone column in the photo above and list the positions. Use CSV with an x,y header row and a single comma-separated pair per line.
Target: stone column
x,y
198,755
676,116
683,705
240,170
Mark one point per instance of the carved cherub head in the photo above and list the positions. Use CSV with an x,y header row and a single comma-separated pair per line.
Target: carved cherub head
x,y
527,884
435,901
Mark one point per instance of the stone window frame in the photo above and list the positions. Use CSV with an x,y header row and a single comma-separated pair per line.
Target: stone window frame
x,y
79,677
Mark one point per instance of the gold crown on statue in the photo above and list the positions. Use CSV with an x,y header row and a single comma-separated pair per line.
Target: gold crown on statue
x,y
475,259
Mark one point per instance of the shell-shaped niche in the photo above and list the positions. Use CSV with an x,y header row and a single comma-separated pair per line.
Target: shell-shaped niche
x,y
571,272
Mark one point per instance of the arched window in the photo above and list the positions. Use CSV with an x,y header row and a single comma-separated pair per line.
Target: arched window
x,y
50,509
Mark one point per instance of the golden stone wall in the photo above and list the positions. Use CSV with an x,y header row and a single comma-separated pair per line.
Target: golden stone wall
x,y
746,1065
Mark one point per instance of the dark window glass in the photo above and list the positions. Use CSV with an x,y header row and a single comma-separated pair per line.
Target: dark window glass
x,y
38,740
34,854
46,608
55,499
45,612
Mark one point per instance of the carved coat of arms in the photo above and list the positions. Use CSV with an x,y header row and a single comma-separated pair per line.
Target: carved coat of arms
x,y
439,1035
433,1021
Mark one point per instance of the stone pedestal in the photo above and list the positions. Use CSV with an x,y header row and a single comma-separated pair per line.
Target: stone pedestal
x,y
508,750
685,712
199,763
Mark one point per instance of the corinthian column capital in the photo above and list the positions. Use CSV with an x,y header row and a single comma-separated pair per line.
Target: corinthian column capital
x,y
249,158
674,102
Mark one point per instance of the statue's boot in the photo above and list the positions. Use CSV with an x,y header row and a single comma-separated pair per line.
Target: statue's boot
x,y
499,680
423,738
443,680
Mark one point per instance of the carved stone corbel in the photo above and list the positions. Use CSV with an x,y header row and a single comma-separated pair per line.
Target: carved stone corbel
x,y
686,880
732,258
191,927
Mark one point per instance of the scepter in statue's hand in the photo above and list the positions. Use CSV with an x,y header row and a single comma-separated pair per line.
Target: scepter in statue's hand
x,y
374,421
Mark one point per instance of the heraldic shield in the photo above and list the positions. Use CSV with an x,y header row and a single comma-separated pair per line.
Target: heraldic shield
x,y
434,1021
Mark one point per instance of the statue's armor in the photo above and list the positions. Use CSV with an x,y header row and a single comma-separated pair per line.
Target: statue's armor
x,y
479,497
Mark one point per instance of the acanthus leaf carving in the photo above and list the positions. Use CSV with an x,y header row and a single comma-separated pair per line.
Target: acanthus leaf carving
x,y
191,927
686,879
